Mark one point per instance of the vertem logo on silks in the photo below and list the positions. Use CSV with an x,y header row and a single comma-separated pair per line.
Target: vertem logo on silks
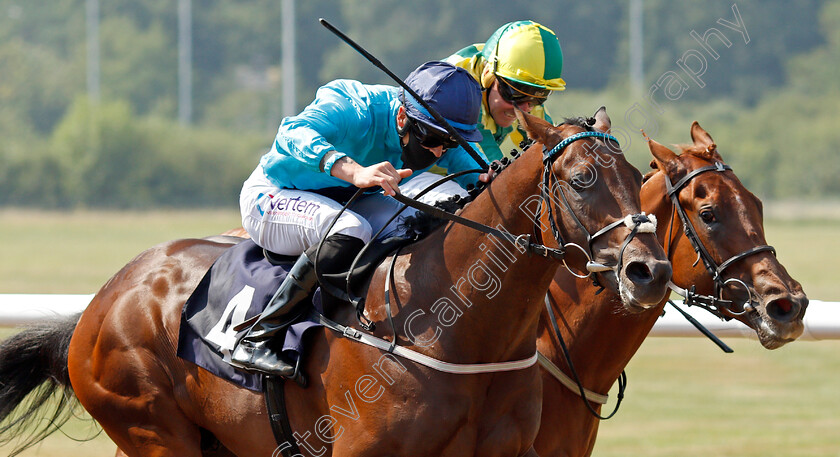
x,y
295,204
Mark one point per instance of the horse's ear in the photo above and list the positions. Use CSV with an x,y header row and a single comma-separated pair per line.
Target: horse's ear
x,y
536,128
704,145
700,136
602,121
662,156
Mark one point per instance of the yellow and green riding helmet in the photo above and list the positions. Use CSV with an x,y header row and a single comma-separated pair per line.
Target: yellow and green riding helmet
x,y
526,54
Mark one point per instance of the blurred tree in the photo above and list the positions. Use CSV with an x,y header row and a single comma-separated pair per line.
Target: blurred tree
x,y
815,73
108,157
776,31
401,37
48,24
99,149
57,150
27,174
588,33
35,84
404,36
139,66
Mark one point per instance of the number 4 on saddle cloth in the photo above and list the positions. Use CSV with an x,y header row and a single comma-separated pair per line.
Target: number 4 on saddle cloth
x,y
236,289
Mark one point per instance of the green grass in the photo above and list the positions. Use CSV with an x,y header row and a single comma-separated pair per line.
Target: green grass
x,y
685,397
76,252
809,249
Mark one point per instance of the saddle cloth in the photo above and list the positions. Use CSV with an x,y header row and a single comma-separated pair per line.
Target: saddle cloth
x,y
237,287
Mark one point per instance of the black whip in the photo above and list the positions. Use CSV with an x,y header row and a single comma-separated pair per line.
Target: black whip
x,y
723,346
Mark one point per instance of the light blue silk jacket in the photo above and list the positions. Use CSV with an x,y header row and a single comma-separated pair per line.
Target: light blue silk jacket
x,y
353,119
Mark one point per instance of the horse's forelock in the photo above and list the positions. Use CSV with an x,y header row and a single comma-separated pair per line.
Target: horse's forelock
x,y
702,152
582,122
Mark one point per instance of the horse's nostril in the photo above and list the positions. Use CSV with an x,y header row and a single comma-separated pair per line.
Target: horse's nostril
x,y
782,309
638,272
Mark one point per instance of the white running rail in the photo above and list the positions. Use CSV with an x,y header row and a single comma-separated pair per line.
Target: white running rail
x,y
822,320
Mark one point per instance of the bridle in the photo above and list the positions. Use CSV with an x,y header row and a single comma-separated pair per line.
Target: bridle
x,y
638,223
715,304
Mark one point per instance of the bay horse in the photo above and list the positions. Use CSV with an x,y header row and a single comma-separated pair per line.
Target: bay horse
x,y
458,296
602,337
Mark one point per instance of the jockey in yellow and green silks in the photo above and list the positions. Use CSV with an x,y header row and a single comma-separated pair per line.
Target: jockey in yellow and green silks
x,y
521,63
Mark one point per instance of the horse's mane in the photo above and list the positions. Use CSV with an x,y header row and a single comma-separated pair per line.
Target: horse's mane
x,y
421,225
652,172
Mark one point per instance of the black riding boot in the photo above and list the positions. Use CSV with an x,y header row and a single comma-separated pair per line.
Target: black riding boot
x,y
254,350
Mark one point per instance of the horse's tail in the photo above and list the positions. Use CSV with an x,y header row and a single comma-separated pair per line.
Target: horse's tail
x,y
34,375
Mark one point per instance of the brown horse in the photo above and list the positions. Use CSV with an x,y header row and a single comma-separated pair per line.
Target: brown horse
x,y
459,296
602,338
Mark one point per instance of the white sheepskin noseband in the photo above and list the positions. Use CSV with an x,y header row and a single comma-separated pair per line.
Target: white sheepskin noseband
x,y
644,227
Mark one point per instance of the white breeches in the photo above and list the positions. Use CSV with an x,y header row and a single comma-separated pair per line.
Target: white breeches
x,y
288,221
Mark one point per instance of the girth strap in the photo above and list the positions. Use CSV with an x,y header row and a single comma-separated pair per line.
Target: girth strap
x,y
275,403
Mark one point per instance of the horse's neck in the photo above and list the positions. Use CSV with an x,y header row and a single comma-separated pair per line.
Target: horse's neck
x,y
498,288
656,201
601,336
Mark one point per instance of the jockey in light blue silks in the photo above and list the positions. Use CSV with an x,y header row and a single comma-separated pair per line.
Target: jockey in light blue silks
x,y
352,136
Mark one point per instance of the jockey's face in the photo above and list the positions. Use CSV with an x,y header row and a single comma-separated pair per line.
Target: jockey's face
x,y
502,110
402,119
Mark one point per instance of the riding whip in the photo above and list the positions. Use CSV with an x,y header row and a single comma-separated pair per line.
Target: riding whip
x,y
723,346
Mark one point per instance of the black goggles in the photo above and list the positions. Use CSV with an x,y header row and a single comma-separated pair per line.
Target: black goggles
x,y
517,93
429,138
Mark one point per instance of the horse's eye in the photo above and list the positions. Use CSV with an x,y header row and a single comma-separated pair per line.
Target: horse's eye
x,y
707,216
579,182
582,179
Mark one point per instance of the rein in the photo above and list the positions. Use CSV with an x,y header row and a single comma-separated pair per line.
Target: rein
x,y
638,223
520,240
715,304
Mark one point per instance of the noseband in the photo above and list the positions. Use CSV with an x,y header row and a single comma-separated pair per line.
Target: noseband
x,y
714,304
638,223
